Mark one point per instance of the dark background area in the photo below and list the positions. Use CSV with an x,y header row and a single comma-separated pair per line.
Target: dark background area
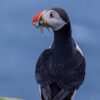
x,y
21,45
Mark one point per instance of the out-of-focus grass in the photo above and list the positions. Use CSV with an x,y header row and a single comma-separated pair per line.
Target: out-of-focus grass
x,y
2,98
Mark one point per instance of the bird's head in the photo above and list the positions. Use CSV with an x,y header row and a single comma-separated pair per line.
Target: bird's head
x,y
55,18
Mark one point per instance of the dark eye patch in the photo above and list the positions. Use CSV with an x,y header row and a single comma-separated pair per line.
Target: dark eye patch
x,y
51,15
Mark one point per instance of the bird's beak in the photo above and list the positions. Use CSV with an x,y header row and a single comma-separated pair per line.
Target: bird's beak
x,y
42,22
39,17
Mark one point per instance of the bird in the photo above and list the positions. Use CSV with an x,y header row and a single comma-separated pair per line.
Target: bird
x,y
60,69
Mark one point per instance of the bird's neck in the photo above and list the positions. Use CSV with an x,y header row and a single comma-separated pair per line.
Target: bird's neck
x,y
63,36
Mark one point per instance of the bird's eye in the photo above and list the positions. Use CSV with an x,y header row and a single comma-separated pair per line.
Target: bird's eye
x,y
51,15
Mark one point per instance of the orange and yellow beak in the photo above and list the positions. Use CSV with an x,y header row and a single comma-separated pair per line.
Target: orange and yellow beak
x,y
37,17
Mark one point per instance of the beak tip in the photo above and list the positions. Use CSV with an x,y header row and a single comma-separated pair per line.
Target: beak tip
x,y
36,18
32,21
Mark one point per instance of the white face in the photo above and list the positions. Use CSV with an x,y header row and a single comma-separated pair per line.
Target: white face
x,y
53,19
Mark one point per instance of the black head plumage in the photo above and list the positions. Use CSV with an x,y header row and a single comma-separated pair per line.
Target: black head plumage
x,y
62,13
64,16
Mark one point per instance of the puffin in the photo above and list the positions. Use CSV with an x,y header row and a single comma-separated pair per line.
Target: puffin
x,y
60,69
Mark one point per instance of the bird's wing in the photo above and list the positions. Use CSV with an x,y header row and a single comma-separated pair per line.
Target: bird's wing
x,y
41,69
41,73
78,79
70,79
77,75
74,72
